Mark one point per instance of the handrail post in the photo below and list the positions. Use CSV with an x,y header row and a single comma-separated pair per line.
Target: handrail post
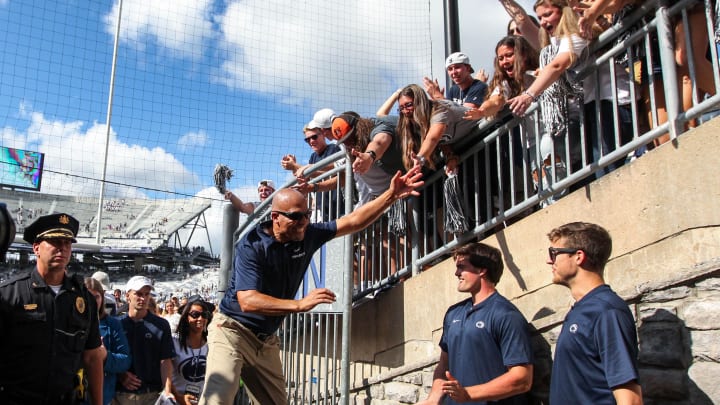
x,y
666,44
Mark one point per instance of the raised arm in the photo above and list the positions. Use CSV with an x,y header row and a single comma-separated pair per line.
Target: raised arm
x,y
387,106
246,208
528,28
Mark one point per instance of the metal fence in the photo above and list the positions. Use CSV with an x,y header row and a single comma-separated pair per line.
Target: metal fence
x,y
504,177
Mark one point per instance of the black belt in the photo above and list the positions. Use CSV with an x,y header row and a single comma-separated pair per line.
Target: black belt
x,y
262,336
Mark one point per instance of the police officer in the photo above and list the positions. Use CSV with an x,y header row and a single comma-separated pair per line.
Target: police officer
x,y
49,324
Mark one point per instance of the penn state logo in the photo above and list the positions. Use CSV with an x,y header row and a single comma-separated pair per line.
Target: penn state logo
x,y
573,328
193,369
480,324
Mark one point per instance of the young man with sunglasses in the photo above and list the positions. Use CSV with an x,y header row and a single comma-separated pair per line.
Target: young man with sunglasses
x,y
327,202
597,350
269,264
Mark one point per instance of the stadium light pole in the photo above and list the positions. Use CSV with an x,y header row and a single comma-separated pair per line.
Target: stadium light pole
x,y
108,119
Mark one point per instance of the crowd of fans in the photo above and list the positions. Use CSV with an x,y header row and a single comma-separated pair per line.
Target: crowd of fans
x,y
539,62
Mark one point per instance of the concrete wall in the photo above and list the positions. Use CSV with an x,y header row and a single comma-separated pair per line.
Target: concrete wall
x,y
663,213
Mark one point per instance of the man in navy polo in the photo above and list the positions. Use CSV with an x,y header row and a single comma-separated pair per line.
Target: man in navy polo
x,y
597,350
486,353
268,267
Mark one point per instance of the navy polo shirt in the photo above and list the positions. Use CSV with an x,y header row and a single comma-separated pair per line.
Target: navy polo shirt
x,y
328,199
150,342
475,94
482,341
596,350
277,269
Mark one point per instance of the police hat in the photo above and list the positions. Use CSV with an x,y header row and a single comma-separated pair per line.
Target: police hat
x,y
55,226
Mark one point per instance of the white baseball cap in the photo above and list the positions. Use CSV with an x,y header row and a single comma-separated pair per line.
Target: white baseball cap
x,y
267,183
458,57
322,119
136,283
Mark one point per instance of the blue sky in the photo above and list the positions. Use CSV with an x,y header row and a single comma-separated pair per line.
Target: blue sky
x,y
200,82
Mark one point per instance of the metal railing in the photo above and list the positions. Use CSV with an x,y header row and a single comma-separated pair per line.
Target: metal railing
x,y
503,177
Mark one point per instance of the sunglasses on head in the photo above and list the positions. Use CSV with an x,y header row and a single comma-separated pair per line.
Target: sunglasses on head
x,y
313,137
296,215
198,314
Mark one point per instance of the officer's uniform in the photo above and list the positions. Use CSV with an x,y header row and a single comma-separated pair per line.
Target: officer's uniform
x,y
43,334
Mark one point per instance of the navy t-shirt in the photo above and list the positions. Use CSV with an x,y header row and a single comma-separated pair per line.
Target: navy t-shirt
x,y
265,265
596,350
482,341
328,200
475,94
150,341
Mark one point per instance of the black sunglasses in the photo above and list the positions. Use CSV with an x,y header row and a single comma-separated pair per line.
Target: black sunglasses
x,y
553,252
295,216
311,138
198,314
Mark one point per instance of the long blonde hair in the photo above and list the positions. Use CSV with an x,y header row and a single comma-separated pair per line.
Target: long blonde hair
x,y
412,131
567,26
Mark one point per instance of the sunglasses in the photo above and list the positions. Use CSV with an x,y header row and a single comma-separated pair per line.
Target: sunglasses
x,y
553,252
295,216
198,314
311,138
406,106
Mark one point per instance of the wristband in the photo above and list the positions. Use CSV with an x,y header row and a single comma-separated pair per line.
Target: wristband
x,y
527,93
421,160
372,154
316,186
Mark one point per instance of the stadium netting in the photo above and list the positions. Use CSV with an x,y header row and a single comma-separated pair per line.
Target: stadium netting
x,y
196,83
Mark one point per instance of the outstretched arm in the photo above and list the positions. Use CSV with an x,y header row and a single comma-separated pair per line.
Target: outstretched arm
x,y
400,187
547,76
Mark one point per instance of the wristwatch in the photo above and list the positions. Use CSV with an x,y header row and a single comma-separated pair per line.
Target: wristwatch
x,y
372,154
421,160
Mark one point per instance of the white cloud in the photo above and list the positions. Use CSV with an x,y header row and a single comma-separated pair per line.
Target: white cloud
x,y
327,53
70,148
181,26
193,139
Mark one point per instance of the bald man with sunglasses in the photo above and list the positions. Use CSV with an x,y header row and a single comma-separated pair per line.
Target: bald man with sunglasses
x,y
268,268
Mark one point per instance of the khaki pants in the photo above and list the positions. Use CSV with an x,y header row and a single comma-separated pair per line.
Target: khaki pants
x,y
126,398
235,351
